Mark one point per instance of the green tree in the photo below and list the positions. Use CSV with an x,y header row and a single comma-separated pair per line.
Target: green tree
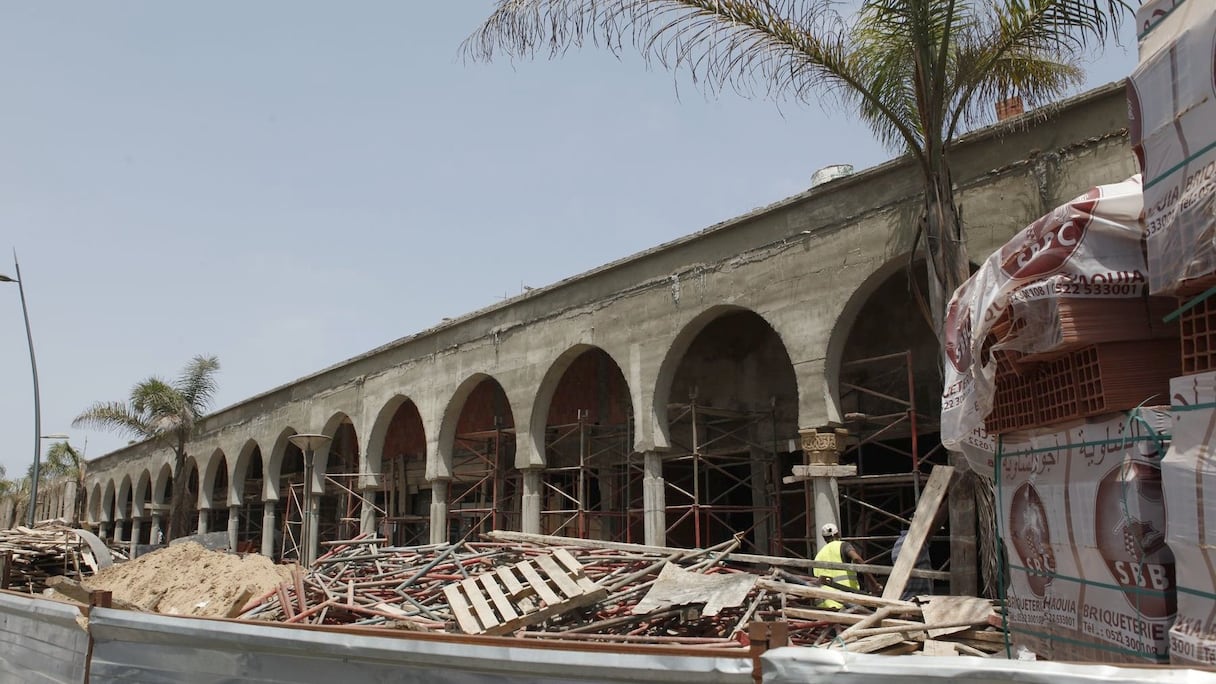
x,y
64,462
919,73
165,412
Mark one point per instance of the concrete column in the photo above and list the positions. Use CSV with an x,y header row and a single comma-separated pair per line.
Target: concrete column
x,y
154,531
827,506
439,511
654,499
763,496
314,521
118,532
367,511
135,530
530,505
269,526
204,522
234,522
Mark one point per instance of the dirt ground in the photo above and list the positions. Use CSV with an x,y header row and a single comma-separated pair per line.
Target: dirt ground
x,y
187,579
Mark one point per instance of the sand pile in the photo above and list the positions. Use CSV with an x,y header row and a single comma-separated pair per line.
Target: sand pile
x,y
187,579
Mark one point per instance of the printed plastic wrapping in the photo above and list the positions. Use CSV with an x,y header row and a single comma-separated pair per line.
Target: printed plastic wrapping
x,y
1090,247
1172,125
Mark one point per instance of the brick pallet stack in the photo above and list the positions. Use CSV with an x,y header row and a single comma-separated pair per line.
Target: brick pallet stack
x,y
1172,98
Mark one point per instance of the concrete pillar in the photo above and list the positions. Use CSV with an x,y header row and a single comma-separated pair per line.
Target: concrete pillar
x,y
827,506
135,530
118,532
269,526
367,511
654,499
234,522
154,531
530,505
313,506
763,497
204,520
439,511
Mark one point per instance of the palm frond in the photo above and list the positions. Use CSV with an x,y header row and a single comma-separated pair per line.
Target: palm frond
x,y
62,461
778,48
197,383
116,416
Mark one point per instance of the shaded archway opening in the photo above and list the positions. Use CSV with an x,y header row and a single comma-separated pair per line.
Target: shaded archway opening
x,y
190,505
288,509
591,486
143,494
732,414
339,502
249,514
217,515
485,491
889,387
126,506
405,494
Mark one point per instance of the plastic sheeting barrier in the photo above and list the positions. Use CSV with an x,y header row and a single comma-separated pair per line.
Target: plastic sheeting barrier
x,y
40,641
812,665
157,648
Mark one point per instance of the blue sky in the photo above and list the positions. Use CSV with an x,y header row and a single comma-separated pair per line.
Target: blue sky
x,y
287,184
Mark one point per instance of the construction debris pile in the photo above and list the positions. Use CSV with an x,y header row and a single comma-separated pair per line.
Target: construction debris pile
x,y
532,586
50,550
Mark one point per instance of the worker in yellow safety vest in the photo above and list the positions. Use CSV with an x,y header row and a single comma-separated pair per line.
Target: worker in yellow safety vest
x,y
836,551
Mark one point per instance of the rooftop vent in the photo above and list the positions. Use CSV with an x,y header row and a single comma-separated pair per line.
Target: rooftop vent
x,y
831,173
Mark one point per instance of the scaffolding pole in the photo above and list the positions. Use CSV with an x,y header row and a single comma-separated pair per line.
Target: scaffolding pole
x,y
590,464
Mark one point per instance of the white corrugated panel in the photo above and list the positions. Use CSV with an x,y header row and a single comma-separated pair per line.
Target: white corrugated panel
x,y
812,665
40,641
157,648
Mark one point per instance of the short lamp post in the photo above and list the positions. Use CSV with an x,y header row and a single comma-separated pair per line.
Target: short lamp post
x,y
34,369
309,444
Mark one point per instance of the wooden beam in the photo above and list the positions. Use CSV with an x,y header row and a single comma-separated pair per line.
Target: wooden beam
x,y
927,510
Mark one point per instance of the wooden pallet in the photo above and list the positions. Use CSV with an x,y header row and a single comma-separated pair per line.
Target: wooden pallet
x,y
523,594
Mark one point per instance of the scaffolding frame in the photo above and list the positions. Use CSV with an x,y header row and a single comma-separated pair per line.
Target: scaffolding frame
x,y
722,448
600,457
400,527
875,507
484,492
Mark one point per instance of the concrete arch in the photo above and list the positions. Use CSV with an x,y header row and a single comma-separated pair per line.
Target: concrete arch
x,y
209,470
273,468
164,475
143,485
548,386
121,510
373,466
332,425
240,469
93,505
675,354
441,466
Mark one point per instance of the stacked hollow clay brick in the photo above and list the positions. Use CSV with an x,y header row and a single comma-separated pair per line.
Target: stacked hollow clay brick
x,y
1112,355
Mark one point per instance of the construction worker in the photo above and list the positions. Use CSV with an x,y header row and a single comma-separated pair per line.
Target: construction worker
x,y
836,551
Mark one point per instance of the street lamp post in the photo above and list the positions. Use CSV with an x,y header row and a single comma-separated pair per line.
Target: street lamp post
x,y
34,369
309,444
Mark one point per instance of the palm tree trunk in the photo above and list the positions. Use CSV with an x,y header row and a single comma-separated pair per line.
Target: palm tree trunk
x,y
179,519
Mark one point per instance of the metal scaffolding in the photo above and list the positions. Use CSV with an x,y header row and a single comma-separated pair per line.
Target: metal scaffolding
x,y
591,484
484,493
721,481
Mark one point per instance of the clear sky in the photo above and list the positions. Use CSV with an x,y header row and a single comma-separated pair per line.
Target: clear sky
x,y
289,183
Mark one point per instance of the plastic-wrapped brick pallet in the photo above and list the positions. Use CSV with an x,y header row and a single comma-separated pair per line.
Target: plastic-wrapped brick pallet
x,y
1172,122
1082,519
1189,478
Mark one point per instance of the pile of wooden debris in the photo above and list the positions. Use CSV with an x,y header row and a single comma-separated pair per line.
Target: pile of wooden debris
x,y
532,586
30,556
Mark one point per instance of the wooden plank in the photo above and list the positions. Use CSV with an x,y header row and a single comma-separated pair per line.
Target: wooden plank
x,y
981,635
956,610
542,590
939,648
870,644
460,610
558,574
906,607
576,569
484,612
498,597
512,584
922,523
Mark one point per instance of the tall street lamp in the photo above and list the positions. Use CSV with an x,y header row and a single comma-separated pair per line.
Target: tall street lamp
x,y
34,368
309,444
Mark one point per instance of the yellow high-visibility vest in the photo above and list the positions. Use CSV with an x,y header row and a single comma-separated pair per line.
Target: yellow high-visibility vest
x,y
831,553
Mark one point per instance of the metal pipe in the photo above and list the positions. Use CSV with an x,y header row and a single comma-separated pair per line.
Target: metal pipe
x,y
29,337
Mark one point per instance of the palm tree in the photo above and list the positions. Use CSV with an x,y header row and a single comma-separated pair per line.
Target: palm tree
x,y
64,462
165,412
917,72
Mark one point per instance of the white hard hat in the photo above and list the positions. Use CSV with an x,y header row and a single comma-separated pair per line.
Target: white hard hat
x,y
829,530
